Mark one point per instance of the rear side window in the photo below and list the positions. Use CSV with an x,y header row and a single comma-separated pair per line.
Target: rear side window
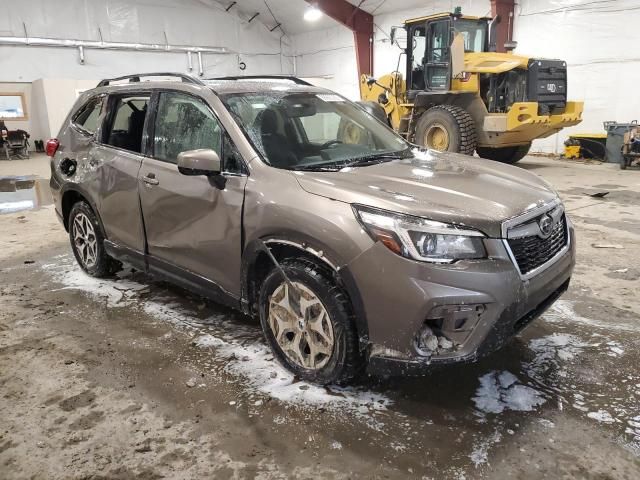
x,y
126,121
87,117
184,123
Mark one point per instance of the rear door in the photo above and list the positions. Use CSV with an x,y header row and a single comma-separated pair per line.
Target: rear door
x,y
192,223
117,159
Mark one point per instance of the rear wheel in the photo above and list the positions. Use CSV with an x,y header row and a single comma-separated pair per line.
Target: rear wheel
x,y
87,242
310,329
505,154
447,128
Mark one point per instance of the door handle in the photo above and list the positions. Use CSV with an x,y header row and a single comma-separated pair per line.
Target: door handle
x,y
150,179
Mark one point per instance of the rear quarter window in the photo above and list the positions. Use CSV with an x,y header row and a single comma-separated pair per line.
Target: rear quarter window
x,y
87,117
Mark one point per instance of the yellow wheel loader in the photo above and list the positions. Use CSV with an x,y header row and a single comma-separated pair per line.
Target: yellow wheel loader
x,y
459,95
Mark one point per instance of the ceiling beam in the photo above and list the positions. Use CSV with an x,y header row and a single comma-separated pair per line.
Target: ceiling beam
x,y
359,22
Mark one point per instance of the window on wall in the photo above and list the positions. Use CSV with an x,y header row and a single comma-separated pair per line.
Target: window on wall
x,y
127,121
13,106
184,123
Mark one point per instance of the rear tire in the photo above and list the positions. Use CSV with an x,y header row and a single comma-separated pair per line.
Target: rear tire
x,y
298,338
447,128
506,154
87,242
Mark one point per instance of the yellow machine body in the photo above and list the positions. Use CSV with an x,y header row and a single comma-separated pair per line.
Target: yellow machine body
x,y
521,123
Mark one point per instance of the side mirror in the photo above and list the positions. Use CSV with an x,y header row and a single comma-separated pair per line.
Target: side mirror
x,y
203,161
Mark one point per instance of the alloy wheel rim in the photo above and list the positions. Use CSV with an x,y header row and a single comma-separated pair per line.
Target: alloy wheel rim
x,y
437,137
307,339
85,241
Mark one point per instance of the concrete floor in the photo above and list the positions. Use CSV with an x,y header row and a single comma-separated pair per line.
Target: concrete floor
x,y
124,377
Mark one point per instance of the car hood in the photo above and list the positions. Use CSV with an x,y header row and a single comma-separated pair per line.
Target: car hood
x,y
441,186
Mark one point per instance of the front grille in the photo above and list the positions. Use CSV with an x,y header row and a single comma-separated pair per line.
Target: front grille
x,y
533,251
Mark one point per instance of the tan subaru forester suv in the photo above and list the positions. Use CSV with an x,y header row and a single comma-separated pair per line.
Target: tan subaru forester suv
x,y
286,201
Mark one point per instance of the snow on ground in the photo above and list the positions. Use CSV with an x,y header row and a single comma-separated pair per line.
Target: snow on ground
x,y
500,391
480,453
243,353
240,352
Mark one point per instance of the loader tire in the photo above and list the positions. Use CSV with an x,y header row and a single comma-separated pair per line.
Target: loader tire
x,y
447,128
376,110
505,154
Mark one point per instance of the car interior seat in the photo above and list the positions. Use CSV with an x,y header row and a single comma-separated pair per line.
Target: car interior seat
x,y
276,146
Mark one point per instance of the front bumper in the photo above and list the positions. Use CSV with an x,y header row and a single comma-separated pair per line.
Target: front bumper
x,y
399,296
522,123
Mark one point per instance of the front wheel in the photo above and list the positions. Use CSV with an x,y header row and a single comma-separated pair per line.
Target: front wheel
x,y
505,154
87,242
447,128
309,323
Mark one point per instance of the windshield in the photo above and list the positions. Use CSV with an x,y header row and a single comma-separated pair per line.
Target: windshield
x,y
307,131
474,33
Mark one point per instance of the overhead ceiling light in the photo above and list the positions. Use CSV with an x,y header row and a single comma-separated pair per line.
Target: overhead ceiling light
x,y
312,14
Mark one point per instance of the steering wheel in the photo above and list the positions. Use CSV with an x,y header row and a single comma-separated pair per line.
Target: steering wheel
x,y
329,143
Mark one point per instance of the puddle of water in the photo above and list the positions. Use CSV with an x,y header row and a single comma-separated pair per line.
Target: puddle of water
x,y
23,193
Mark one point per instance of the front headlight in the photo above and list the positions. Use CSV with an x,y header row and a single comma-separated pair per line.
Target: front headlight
x,y
419,238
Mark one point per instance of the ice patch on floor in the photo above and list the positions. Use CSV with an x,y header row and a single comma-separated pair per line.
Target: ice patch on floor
x,y
563,310
500,391
601,416
552,350
480,453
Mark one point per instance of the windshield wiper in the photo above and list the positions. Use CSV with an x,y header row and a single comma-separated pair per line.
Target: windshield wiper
x,y
373,159
316,168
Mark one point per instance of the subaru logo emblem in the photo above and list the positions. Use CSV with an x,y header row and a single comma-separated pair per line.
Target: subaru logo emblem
x,y
546,226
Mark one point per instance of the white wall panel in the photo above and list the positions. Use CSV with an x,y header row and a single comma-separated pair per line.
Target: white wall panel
x,y
599,41
187,22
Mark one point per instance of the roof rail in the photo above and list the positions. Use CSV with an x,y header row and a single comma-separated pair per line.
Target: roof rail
x,y
136,78
291,78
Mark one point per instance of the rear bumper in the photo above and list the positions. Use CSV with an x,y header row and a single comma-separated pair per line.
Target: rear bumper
x,y
493,302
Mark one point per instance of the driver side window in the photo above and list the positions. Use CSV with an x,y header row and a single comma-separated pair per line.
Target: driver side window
x,y
184,123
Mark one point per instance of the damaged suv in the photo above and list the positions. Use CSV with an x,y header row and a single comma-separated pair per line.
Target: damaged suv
x,y
294,205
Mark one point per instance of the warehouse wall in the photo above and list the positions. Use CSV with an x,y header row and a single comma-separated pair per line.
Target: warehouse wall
x,y
203,23
599,41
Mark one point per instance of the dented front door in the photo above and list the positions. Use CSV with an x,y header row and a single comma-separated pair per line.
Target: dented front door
x,y
191,222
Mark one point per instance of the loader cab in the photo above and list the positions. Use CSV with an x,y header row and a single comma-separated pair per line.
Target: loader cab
x,y
429,48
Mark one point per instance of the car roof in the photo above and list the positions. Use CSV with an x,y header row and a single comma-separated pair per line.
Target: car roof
x,y
221,86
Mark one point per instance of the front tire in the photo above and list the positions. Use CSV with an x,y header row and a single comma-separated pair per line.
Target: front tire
x,y
447,128
87,242
321,344
505,154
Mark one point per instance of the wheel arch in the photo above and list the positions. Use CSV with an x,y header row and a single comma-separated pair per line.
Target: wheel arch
x,y
72,195
256,265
